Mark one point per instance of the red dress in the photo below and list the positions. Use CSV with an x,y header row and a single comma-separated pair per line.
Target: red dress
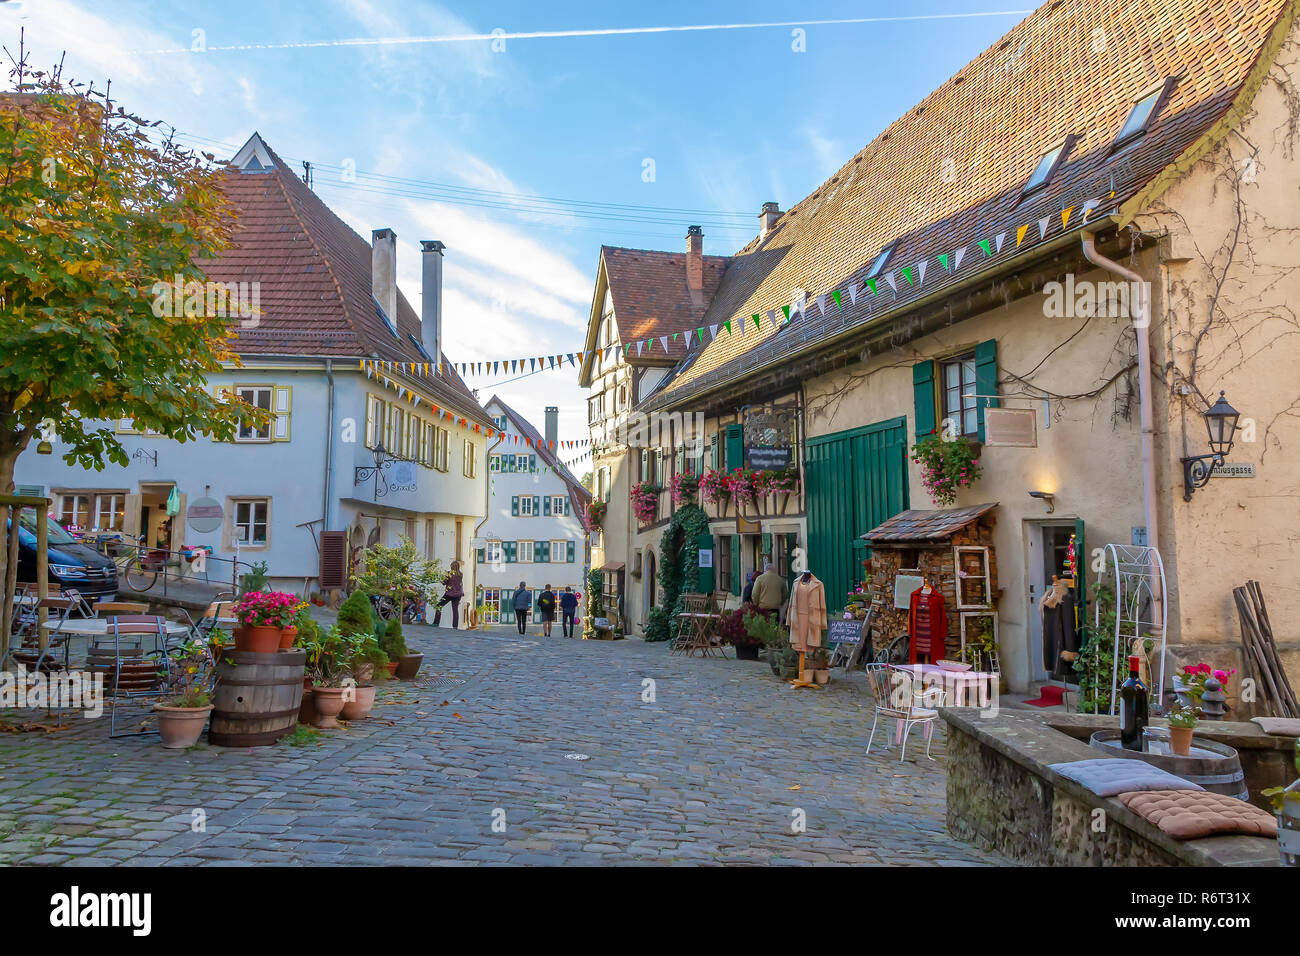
x,y
927,626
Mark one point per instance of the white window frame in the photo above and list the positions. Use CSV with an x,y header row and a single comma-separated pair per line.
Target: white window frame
x,y
524,552
77,499
375,417
441,440
470,467
525,506
560,546
246,434
558,502
236,525
493,553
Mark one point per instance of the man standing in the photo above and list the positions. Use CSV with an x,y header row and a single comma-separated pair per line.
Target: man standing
x,y
569,608
523,603
770,590
546,604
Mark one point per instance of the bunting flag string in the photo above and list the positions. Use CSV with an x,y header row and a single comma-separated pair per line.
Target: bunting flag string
x,y
913,276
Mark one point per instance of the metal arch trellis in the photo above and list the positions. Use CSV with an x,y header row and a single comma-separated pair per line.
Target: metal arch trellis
x,y
1139,611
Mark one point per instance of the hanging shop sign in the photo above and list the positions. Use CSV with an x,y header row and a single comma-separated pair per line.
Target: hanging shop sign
x,y
1010,428
205,515
769,439
403,476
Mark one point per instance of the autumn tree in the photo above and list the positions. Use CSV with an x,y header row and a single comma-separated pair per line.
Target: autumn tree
x,y
95,209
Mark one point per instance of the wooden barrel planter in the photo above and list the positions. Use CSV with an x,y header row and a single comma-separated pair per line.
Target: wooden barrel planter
x,y
257,698
1214,766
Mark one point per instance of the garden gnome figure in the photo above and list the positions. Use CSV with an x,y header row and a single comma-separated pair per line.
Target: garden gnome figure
x,y
1214,702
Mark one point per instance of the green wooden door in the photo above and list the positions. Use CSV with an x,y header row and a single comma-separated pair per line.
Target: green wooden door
x,y
856,479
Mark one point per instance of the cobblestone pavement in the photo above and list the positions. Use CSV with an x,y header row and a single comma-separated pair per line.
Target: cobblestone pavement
x,y
469,764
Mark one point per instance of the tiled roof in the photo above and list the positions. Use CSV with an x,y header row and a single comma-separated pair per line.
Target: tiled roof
x,y
952,170
651,297
918,525
579,495
314,276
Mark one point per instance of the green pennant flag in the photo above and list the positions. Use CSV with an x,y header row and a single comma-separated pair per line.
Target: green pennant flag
x,y
786,310
675,336
836,296
943,260
627,348
907,274
727,325
871,284
984,244
758,322
700,333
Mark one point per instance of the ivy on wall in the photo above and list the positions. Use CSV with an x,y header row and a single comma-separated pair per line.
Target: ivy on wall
x,y
679,556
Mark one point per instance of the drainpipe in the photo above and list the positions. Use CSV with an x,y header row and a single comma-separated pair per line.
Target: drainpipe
x,y
329,445
1142,327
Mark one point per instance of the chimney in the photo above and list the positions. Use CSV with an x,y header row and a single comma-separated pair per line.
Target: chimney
x,y
767,219
695,263
383,271
552,424
431,297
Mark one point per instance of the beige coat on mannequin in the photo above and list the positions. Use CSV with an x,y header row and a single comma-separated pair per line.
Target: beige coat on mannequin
x,y
807,615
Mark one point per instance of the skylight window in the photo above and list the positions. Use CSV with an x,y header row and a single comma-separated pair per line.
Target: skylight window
x,y
1047,165
1143,112
419,347
881,260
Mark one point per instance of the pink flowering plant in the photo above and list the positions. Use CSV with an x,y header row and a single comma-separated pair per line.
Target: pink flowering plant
x,y
782,482
684,487
268,609
741,485
1195,676
946,467
645,501
713,486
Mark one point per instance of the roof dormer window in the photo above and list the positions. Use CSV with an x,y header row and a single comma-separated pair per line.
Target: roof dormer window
x,y
1047,166
881,261
1148,107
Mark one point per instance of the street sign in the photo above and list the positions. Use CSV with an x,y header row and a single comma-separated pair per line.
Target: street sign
x,y
1235,469
1010,428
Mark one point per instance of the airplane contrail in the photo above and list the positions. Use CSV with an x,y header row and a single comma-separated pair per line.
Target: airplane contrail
x,y
554,34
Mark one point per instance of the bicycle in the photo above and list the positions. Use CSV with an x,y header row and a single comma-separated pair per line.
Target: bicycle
x,y
137,564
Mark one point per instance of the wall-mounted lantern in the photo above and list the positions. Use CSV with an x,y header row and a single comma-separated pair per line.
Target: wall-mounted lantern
x,y
1221,423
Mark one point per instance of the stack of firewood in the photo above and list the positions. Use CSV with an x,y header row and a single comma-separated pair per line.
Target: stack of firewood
x,y
1261,653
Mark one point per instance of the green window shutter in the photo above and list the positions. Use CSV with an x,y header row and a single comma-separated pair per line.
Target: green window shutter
x,y
510,550
713,451
481,556
537,505
986,378
705,583
923,397
767,545
546,505
735,564
735,447
571,550
540,552
791,542
514,504
645,464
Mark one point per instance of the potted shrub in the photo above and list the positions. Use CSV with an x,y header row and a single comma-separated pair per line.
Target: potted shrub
x,y
1181,722
262,615
947,466
181,720
366,654
480,616
749,630
331,659
596,513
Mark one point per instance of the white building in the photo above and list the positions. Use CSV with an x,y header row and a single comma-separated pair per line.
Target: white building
x,y
535,530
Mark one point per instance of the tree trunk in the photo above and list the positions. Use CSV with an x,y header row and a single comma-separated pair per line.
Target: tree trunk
x,y
8,458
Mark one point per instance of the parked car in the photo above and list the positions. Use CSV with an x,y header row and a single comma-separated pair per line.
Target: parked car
x,y
71,563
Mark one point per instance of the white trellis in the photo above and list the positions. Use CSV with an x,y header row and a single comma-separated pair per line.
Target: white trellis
x,y
1139,605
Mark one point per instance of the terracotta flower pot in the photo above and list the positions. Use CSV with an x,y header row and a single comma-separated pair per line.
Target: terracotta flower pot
x,y
307,709
329,704
391,667
408,665
361,705
287,636
258,639
181,727
1180,739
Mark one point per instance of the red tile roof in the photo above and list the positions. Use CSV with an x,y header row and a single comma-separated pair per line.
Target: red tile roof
x,y
922,525
313,272
951,170
651,297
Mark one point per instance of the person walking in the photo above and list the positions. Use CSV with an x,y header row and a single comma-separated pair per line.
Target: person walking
x,y
747,595
546,604
454,590
569,608
523,603
770,590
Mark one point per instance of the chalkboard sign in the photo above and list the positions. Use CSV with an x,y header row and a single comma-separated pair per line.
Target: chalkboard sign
x,y
844,632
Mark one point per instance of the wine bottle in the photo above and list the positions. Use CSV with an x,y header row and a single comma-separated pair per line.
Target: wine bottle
x,y
1132,708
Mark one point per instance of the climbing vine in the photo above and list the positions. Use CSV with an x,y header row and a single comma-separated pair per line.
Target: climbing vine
x,y
679,555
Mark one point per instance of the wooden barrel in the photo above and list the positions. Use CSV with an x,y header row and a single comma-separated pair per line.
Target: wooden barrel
x,y
257,698
1214,766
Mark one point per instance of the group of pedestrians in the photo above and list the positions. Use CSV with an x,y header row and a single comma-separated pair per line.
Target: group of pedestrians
x,y
546,605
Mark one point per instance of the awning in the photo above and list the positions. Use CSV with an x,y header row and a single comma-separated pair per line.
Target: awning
x,y
612,566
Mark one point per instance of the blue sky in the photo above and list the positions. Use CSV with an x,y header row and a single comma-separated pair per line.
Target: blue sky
x,y
730,119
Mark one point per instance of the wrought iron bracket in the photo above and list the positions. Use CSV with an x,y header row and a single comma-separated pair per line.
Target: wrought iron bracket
x,y
1197,471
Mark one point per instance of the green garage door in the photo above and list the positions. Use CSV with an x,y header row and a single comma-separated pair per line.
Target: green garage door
x,y
855,480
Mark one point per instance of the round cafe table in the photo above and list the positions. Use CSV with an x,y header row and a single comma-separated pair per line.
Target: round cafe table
x,y
98,627
962,683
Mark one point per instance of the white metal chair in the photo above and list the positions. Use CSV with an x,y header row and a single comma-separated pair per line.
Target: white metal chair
x,y
897,699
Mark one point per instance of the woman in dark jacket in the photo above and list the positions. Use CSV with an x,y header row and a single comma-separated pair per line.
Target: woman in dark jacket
x,y
454,591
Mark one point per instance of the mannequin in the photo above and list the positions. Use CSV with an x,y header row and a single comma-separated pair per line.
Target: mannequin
x,y
1059,633
807,620
927,624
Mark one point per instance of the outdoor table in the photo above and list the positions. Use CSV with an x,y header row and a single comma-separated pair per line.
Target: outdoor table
x,y
98,627
960,681
699,636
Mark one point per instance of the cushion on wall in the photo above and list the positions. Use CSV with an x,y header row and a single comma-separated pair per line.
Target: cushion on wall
x,y
1279,726
1186,814
1107,776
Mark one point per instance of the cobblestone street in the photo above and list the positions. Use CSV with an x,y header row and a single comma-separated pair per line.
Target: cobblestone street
x,y
714,770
